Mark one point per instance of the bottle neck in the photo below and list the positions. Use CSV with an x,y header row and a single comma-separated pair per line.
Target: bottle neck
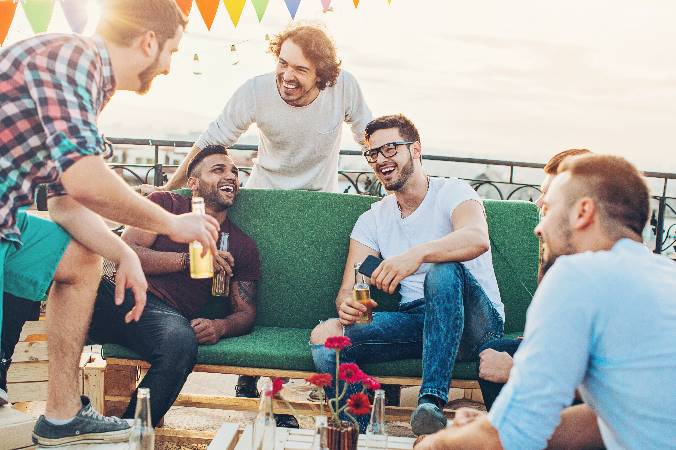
x,y
142,413
377,422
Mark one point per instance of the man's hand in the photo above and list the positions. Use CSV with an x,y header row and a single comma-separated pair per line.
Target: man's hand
x,y
391,271
196,227
349,311
464,416
494,366
147,189
223,261
129,275
207,331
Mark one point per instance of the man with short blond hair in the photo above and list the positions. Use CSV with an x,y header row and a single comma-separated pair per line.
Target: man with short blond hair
x,y
603,319
52,88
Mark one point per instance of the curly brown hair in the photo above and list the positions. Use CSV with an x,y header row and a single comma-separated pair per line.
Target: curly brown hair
x,y
317,46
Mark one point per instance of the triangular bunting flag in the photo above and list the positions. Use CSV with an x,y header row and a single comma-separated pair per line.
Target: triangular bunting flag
x,y
185,6
234,8
39,14
356,3
292,6
208,10
7,10
76,14
389,2
326,4
260,6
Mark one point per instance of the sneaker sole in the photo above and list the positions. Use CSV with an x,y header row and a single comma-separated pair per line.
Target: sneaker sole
x,y
91,438
426,423
4,398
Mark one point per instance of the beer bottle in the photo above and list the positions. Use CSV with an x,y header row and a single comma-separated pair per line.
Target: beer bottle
x,y
362,294
200,266
263,430
142,434
220,286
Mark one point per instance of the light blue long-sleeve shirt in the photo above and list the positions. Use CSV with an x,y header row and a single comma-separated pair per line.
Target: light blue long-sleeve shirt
x,y
606,322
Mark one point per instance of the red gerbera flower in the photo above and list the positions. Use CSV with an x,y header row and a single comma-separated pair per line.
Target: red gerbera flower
x,y
350,372
277,384
320,379
358,404
337,342
371,383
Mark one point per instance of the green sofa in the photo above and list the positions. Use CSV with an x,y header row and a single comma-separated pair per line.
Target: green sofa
x,y
303,239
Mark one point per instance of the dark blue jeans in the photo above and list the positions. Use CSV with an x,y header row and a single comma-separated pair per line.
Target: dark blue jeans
x,y
490,390
163,337
452,321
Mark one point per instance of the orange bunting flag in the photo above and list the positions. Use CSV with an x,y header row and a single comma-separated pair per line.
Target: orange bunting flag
x,y
356,3
234,8
38,13
207,9
7,10
185,6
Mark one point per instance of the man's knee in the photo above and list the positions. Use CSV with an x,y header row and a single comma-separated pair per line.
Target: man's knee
x,y
78,264
442,272
325,330
182,345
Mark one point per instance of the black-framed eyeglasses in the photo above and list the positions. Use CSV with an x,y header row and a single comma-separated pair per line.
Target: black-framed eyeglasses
x,y
387,150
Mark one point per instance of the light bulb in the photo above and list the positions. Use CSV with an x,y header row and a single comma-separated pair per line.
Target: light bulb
x,y
196,68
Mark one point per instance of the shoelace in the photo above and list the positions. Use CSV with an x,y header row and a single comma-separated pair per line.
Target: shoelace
x,y
91,412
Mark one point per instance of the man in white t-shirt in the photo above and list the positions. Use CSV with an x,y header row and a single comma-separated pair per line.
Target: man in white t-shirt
x,y
299,110
433,237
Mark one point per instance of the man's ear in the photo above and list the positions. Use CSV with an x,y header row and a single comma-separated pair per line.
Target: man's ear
x,y
193,184
416,150
585,213
148,43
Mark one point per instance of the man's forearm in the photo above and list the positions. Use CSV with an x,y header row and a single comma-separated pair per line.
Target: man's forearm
x,y
343,295
180,177
236,324
86,227
461,245
155,262
110,196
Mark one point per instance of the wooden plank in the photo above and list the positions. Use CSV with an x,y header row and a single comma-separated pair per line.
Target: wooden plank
x,y
251,404
298,374
33,327
22,372
183,437
28,392
93,381
30,351
226,437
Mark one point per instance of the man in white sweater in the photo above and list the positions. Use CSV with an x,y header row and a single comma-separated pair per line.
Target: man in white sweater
x,y
299,110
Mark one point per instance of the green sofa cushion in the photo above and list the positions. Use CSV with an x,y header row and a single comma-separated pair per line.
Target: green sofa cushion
x,y
303,239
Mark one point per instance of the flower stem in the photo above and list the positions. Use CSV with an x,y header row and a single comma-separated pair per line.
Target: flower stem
x,y
336,418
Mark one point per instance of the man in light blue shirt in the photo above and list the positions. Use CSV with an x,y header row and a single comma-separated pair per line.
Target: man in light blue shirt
x,y
603,320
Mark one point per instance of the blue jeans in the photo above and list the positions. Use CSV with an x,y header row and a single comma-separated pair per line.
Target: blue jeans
x,y
490,390
163,337
452,321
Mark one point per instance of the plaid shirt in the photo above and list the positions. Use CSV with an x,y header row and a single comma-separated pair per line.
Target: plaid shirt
x,y
52,88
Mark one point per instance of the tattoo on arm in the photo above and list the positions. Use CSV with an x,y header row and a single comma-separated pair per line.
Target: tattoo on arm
x,y
246,292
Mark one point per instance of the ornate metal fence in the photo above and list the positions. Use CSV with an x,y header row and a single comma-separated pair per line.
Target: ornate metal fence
x,y
661,230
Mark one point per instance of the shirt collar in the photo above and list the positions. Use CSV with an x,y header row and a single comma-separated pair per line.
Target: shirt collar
x,y
630,245
108,75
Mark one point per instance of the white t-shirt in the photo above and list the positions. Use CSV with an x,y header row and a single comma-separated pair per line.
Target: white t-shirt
x,y
382,229
299,145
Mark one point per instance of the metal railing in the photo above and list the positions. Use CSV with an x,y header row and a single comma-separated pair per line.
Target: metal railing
x,y
662,226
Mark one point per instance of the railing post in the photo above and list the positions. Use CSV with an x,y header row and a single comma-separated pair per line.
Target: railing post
x,y
659,228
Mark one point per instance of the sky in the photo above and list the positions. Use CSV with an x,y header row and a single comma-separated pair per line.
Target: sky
x,y
518,80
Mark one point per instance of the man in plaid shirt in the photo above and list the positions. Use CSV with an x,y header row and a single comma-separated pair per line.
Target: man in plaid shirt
x,y
52,88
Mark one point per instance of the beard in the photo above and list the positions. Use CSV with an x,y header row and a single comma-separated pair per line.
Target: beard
x,y
148,75
564,239
405,173
214,198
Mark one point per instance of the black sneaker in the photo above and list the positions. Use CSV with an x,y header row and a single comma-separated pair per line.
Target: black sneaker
x,y
246,387
88,427
4,366
286,421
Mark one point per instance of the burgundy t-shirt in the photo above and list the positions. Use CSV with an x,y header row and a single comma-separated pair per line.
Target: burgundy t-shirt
x,y
186,294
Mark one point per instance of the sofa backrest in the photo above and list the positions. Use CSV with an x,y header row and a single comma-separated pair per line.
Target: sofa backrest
x,y
303,239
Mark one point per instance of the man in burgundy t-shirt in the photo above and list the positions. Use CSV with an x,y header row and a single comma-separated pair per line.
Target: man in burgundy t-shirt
x,y
170,328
